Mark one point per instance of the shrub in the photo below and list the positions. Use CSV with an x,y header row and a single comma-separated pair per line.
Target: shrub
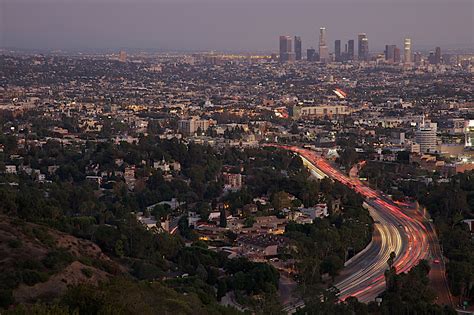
x,y
15,243
6,298
32,277
58,259
87,272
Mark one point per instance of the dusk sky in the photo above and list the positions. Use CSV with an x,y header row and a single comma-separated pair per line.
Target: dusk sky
x,y
232,25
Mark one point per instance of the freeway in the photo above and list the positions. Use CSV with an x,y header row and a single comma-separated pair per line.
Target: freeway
x,y
394,231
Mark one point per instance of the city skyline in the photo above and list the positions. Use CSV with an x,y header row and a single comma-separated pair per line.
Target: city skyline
x,y
182,25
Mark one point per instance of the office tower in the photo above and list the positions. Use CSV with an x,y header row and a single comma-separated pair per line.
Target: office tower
x,y
323,48
350,49
431,58
285,48
396,55
363,47
297,48
337,50
407,51
426,136
390,53
122,56
311,54
437,56
417,58
291,57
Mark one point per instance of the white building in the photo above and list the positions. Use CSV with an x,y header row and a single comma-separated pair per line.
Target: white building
x,y
426,136
469,133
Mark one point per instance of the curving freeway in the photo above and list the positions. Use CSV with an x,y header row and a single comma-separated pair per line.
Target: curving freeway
x,y
394,231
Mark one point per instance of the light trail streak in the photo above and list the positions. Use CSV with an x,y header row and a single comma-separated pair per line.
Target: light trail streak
x,y
399,233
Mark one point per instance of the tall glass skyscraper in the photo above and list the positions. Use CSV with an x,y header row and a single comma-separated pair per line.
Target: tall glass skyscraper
x,y
363,48
337,50
298,48
350,49
285,48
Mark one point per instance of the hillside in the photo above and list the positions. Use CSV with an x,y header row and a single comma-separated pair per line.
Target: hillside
x,y
39,262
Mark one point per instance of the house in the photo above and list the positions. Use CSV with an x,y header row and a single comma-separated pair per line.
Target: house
x,y
318,211
25,169
129,176
52,169
150,222
261,247
94,180
10,169
173,204
470,224
214,216
161,165
193,218
232,182
41,177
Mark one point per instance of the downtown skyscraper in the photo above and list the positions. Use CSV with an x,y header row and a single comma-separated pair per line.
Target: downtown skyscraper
x,y
337,50
350,49
363,47
323,48
407,51
286,49
298,49
437,56
390,53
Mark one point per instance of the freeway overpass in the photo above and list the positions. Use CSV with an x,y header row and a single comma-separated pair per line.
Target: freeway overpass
x,y
316,172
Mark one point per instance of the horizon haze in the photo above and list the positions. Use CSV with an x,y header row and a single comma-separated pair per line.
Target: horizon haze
x,y
230,25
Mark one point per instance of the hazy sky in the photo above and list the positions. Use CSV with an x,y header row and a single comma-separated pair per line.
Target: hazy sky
x,y
238,25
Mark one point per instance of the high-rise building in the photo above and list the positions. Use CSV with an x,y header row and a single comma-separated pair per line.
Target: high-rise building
x,y
323,48
350,49
122,56
396,55
311,55
407,51
285,48
390,53
417,58
298,48
431,58
192,125
363,48
437,55
337,50
426,136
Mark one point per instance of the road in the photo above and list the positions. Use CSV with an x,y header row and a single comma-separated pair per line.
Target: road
x,y
437,276
395,231
286,288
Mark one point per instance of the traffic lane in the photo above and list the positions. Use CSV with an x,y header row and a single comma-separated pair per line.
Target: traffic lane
x,y
437,273
370,278
417,242
360,261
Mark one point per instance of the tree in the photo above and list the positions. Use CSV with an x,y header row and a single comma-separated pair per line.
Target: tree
x,y
223,219
281,200
391,259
